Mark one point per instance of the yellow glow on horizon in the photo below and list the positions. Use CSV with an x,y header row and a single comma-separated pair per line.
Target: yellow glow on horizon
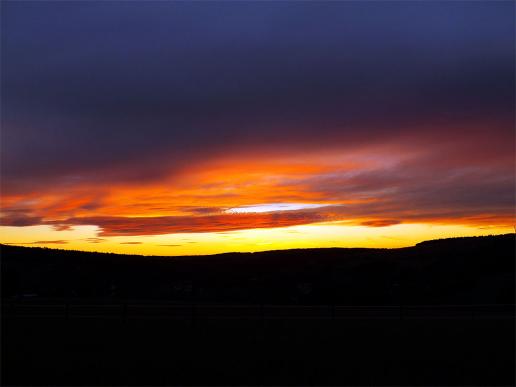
x,y
305,236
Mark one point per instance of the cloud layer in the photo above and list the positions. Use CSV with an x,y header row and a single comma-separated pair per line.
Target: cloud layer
x,y
155,118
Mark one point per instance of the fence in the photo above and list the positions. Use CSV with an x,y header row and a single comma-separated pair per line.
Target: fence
x,y
141,310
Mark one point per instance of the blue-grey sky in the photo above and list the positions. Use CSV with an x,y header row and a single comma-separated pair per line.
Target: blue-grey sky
x,y
118,92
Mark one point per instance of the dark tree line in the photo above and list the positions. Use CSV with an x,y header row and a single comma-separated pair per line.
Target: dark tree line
x,y
477,270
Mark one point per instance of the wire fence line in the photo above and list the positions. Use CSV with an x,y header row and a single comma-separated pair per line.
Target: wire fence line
x,y
139,310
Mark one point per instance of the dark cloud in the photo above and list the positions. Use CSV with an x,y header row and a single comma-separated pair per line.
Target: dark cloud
x,y
57,242
380,223
20,220
94,240
103,92
62,227
118,226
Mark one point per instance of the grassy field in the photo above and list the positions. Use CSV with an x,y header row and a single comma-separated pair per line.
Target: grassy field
x,y
255,352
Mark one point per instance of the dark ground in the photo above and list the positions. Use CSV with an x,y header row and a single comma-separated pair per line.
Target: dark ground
x,y
288,352
102,349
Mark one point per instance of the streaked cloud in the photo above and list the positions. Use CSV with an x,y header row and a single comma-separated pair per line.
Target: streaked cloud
x,y
273,207
53,242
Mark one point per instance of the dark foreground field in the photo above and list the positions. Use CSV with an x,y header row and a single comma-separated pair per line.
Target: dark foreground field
x,y
272,352
440,313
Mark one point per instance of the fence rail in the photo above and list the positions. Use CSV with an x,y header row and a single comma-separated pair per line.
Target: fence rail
x,y
253,312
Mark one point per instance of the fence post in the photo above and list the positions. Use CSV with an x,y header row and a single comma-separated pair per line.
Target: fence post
x,y
194,314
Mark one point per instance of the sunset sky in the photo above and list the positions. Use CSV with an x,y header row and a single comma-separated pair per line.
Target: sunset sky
x,y
204,127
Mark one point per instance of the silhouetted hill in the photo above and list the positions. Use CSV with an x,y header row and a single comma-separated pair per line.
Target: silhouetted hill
x,y
473,270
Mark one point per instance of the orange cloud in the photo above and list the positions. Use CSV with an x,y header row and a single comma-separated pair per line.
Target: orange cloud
x,y
118,226
372,187
380,222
